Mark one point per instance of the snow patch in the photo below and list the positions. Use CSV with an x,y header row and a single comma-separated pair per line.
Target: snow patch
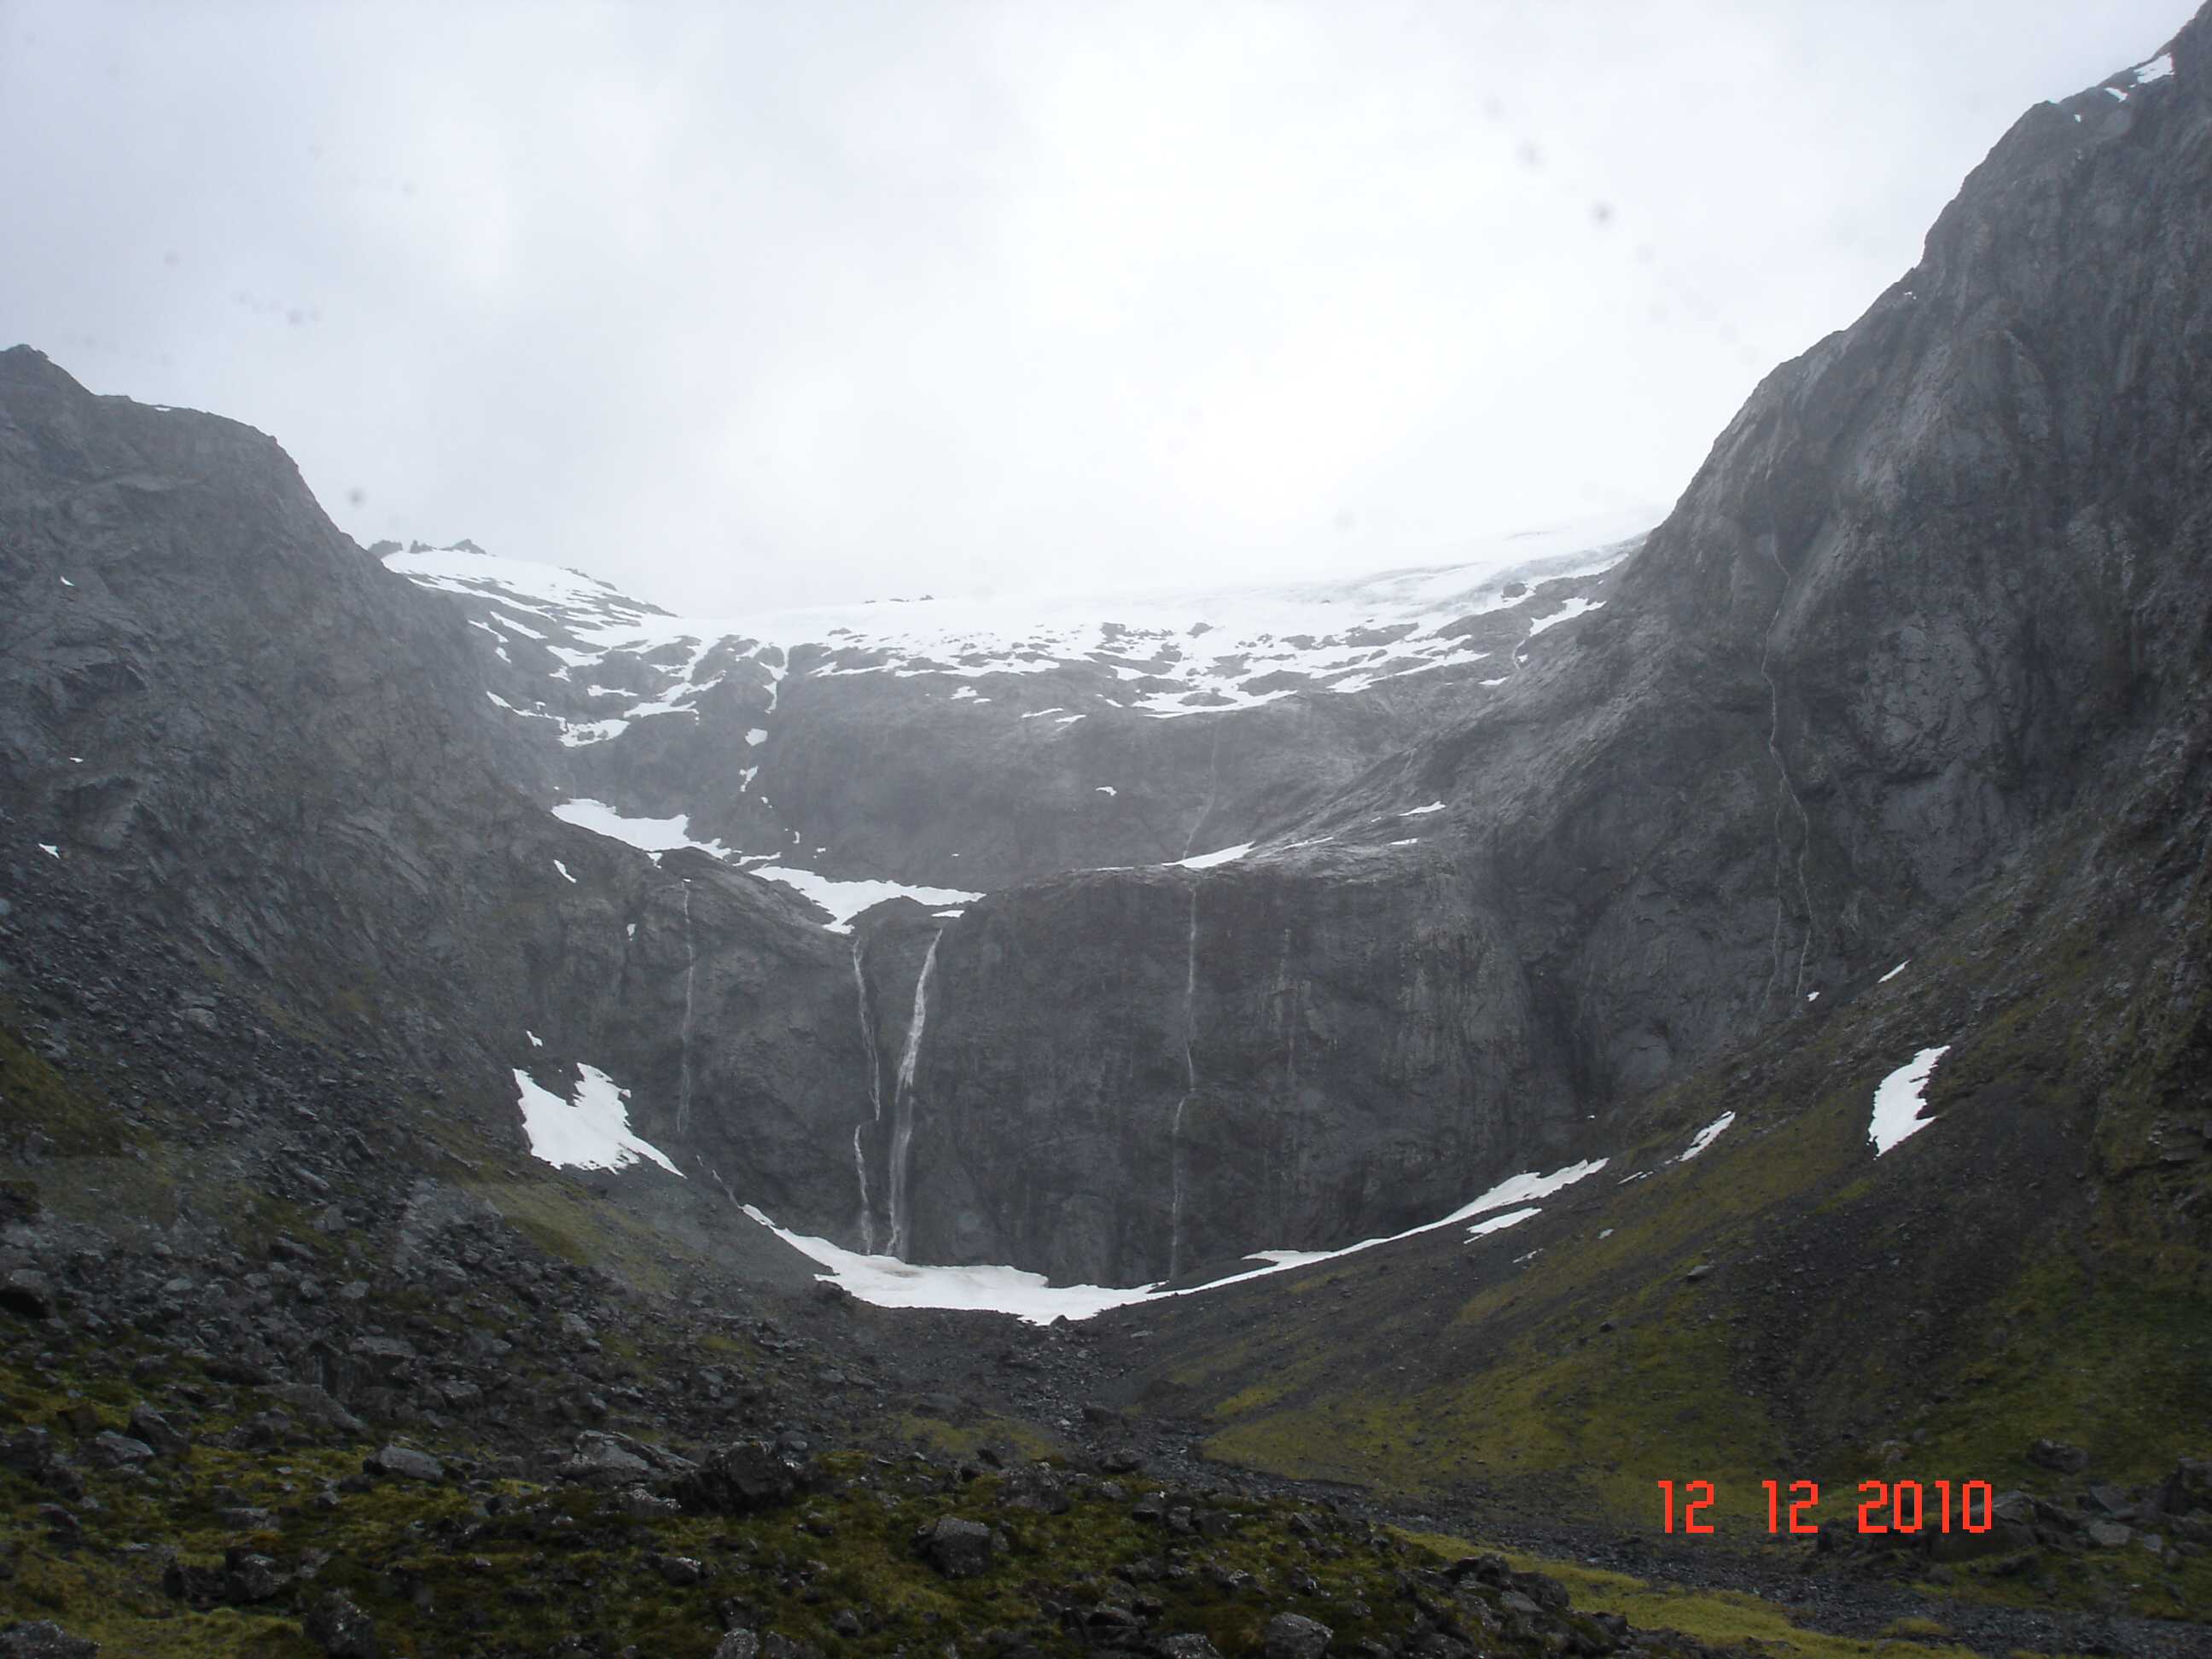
x,y
1707,1136
1210,860
647,835
1894,972
1314,637
591,1132
844,900
887,1282
536,1041
1105,789
890,1283
1898,1099
1567,612
50,849
1422,811
563,869
1498,1223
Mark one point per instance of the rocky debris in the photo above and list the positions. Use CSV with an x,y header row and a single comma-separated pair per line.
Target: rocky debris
x,y
340,1629
45,1640
311,1402
27,1293
737,1645
956,1548
604,1460
2057,1455
404,1463
745,1476
110,1451
154,1430
681,1571
1294,1636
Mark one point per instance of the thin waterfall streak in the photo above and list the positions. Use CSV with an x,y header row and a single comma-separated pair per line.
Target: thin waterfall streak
x,y
875,1101
1212,790
867,1212
1789,795
903,1107
1189,1088
683,1038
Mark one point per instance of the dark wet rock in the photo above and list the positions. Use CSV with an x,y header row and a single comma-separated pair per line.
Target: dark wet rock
x,y
1294,1636
110,1451
341,1629
27,1293
2057,1455
157,1431
44,1639
956,1548
317,1407
252,1578
744,1477
405,1463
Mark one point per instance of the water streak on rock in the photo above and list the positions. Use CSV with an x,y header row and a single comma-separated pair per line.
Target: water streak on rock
x,y
875,1100
684,1039
1787,798
902,1238
1189,1088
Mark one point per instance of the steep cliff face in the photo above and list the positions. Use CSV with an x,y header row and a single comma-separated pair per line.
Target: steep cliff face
x,y
1941,581
280,758
1945,571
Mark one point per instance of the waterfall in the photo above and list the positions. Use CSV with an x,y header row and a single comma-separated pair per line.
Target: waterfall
x,y
902,1238
861,1174
1787,798
683,1041
1212,789
875,1102
1189,1088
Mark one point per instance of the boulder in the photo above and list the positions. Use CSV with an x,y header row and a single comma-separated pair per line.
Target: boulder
x,y
744,1477
45,1640
405,1463
157,1431
1294,1636
956,1548
342,1630
110,1451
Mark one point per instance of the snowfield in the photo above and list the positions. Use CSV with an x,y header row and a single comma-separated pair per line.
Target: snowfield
x,y
890,1283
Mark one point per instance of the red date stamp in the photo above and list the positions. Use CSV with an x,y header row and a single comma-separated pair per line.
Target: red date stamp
x,y
1909,1507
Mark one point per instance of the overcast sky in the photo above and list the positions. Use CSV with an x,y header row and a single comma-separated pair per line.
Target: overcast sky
x,y
744,306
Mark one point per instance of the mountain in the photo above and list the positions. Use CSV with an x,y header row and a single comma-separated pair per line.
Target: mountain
x,y
1728,1003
